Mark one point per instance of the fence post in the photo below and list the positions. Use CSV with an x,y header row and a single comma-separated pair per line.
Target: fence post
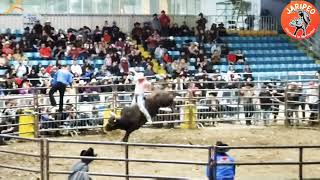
x,y
300,163
115,98
215,148
127,161
47,159
238,103
36,113
42,160
77,98
318,103
286,121
190,123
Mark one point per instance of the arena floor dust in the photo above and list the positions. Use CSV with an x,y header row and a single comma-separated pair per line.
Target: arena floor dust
x,y
231,134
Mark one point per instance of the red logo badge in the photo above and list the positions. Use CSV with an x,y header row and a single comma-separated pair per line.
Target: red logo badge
x,y
300,19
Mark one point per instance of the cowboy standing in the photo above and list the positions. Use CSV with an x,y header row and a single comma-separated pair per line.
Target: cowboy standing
x,y
142,85
80,169
221,172
61,80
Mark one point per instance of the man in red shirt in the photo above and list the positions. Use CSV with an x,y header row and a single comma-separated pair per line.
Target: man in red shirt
x,y
7,50
165,23
45,52
232,58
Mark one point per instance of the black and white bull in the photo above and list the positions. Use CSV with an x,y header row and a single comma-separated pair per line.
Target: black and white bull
x,y
132,118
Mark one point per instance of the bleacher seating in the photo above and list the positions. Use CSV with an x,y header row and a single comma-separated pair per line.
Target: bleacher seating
x,y
271,54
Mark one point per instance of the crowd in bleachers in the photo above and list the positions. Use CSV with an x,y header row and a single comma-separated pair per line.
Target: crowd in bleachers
x,y
159,47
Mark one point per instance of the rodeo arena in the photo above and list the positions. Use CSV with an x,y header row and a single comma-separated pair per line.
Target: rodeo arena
x,y
159,89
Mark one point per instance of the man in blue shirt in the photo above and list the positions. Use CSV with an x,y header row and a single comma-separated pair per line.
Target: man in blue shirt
x,y
222,172
61,80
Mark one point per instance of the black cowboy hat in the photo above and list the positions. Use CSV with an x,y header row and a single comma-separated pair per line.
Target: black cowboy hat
x,y
90,153
220,149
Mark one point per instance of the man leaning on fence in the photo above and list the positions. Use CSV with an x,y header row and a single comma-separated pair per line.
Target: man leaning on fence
x,y
221,172
61,80
80,170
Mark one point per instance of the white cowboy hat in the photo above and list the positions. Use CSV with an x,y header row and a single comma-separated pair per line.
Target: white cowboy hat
x,y
93,81
140,76
82,82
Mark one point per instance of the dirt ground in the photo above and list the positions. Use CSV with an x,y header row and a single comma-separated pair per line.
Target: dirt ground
x,y
232,134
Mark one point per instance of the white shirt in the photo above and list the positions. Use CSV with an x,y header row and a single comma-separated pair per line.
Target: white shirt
x,y
76,69
312,94
140,88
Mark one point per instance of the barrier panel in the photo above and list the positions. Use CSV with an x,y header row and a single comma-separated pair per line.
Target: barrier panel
x,y
30,163
231,103
48,168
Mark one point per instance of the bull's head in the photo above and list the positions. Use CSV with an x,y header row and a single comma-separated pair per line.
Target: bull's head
x,y
113,124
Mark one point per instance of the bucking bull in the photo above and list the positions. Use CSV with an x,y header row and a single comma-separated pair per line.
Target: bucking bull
x,y
132,118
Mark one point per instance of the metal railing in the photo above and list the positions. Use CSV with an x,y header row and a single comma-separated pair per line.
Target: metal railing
x,y
125,22
85,111
47,155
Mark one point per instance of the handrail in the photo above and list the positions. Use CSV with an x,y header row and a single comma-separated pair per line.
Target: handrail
x,y
46,157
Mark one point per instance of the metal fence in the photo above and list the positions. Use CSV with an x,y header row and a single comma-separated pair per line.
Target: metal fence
x,y
286,103
46,169
125,22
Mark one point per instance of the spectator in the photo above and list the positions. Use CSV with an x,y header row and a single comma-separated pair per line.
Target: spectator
x,y
213,33
21,70
221,172
265,104
136,32
7,50
167,58
152,41
159,52
185,30
43,73
215,58
313,100
169,43
175,30
222,31
149,71
124,65
165,23
45,52
201,27
106,28
155,23
232,58
76,69
62,79
80,170
247,92
194,50
34,78
247,76
19,56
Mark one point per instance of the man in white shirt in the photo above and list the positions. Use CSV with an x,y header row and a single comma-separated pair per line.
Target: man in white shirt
x,y
76,69
142,85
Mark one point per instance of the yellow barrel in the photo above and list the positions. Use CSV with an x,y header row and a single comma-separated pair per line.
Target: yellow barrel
x,y
26,130
189,117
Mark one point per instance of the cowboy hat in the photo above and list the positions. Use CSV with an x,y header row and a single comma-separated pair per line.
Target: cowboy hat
x,y
221,149
90,153
140,76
